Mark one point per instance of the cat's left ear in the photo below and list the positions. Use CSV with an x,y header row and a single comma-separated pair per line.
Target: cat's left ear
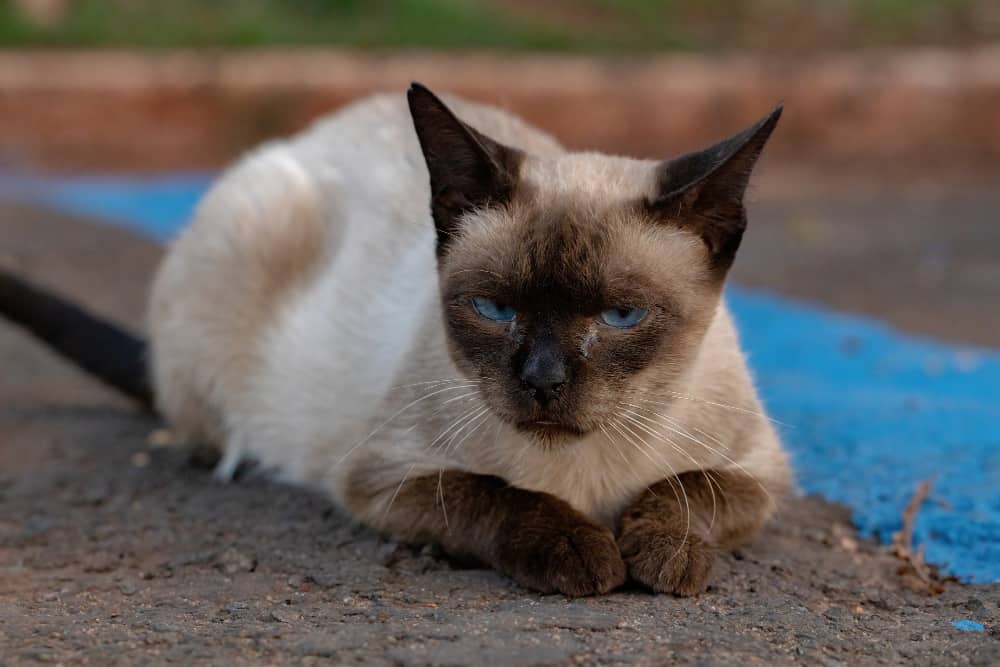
x,y
468,169
703,191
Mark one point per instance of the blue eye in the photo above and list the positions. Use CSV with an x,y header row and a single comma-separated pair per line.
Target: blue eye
x,y
492,310
623,318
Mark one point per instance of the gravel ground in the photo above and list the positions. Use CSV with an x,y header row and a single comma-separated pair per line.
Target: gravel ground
x,y
116,549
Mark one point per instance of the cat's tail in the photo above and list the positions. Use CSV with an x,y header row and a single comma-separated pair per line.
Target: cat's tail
x,y
101,348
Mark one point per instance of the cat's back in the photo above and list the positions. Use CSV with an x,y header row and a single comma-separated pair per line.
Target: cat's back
x,y
366,161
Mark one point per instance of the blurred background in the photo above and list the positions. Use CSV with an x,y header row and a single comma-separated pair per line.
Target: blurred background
x,y
878,195
892,122
586,26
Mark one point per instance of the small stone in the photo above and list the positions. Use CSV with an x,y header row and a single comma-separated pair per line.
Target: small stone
x,y
886,601
284,616
128,588
324,580
100,562
161,437
975,604
838,614
816,535
139,459
233,561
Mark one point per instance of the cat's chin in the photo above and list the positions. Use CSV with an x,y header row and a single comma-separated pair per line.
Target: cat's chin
x,y
551,432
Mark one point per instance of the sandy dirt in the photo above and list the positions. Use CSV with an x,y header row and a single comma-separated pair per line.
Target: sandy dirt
x,y
115,549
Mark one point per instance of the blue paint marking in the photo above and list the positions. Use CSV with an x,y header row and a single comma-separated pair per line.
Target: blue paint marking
x,y
157,206
872,412
968,626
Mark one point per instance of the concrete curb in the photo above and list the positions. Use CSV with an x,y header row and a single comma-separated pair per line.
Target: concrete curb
x,y
121,109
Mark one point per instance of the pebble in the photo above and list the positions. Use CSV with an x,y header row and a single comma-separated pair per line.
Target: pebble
x,y
838,614
139,459
975,605
233,561
161,437
284,616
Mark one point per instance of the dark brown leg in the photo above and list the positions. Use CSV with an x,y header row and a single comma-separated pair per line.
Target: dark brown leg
x,y
669,544
534,538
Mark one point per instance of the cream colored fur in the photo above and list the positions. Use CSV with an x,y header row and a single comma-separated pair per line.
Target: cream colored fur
x,y
297,322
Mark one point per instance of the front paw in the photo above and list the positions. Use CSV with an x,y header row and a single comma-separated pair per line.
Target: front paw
x,y
666,557
576,558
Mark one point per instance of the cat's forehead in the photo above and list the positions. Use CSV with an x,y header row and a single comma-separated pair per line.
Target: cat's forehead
x,y
580,248
588,178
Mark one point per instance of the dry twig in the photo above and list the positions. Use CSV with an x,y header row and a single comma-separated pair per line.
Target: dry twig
x,y
917,574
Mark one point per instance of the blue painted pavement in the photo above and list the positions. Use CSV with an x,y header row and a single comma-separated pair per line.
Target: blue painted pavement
x,y
871,412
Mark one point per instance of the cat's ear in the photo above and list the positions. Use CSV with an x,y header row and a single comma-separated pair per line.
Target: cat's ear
x,y
468,169
703,191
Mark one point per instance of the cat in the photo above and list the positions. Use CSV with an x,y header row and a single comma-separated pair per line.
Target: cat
x,y
466,335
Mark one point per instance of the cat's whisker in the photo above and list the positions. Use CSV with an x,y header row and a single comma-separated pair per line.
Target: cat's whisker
x,y
393,416
710,475
444,510
649,421
630,464
395,493
675,477
443,438
725,457
447,446
614,443
710,437
644,447
634,418
458,398
465,417
671,478
467,398
726,406
440,486
676,427
496,434
481,419
617,426
429,382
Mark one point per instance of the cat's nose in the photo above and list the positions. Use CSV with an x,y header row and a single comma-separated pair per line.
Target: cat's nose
x,y
544,371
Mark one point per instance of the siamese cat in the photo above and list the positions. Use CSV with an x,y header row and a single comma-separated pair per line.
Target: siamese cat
x,y
466,335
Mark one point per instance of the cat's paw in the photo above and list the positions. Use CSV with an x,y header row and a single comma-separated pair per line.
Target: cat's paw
x,y
576,559
665,558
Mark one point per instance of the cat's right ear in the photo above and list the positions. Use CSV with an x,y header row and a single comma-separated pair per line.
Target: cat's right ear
x,y
703,191
468,170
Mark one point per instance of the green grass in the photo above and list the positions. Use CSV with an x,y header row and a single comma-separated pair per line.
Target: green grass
x,y
561,25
